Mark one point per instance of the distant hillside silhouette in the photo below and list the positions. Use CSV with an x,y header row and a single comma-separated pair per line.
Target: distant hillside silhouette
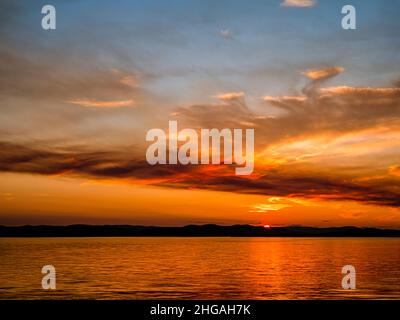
x,y
209,230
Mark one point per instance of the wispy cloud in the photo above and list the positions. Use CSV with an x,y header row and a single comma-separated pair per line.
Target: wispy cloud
x,y
230,96
318,74
273,204
343,90
276,183
92,103
278,99
19,77
306,118
299,3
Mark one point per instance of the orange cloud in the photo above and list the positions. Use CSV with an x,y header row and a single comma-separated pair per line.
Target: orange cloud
x,y
276,204
318,74
284,182
229,96
92,103
285,99
262,207
299,3
395,170
360,91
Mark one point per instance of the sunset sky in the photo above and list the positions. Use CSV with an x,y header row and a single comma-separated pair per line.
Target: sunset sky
x,y
76,103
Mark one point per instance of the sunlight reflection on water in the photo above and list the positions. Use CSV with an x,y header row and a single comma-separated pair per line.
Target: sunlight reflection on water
x,y
200,268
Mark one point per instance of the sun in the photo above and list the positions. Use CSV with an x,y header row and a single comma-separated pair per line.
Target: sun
x,y
267,226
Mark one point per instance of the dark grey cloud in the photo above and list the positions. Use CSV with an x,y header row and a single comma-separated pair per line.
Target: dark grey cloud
x,y
274,182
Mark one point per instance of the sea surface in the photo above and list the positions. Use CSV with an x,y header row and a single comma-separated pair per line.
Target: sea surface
x,y
199,268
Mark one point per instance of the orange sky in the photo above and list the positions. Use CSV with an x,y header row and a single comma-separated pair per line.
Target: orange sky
x,y
35,199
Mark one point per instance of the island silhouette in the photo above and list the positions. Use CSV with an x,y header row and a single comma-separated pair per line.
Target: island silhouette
x,y
208,230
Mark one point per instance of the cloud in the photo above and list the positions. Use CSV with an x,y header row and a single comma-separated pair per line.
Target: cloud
x,y
328,111
332,111
319,74
39,88
280,99
274,204
318,78
345,90
230,96
45,79
310,116
117,165
299,3
395,170
92,103
313,113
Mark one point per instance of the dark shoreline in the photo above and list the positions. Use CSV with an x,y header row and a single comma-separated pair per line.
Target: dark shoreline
x,y
208,230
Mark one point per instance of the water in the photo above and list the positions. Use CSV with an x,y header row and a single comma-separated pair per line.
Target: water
x,y
200,268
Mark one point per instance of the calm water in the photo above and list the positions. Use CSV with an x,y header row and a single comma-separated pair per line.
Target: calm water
x,y
200,268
